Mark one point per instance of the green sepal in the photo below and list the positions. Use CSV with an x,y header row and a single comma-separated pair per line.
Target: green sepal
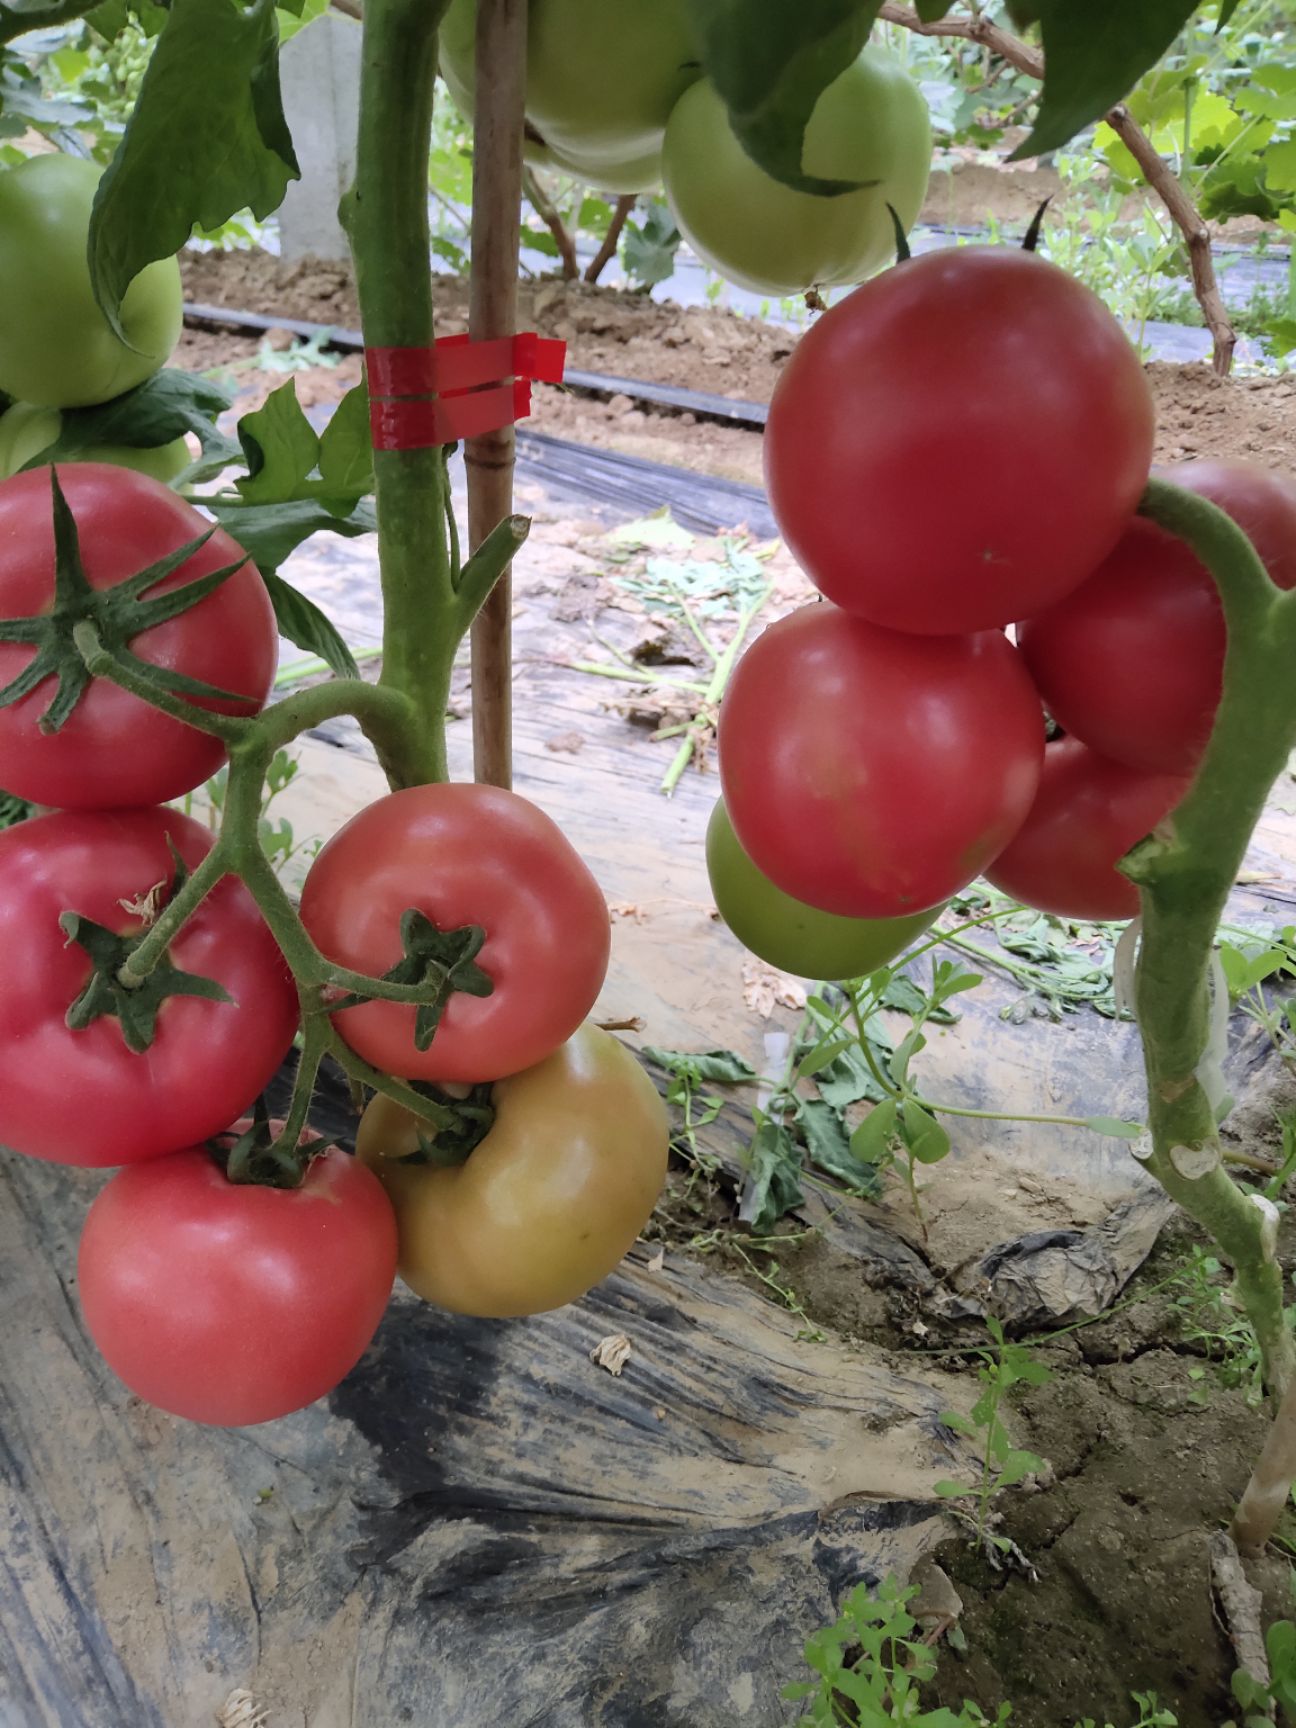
x,y
444,959
136,1007
257,1158
467,1123
119,614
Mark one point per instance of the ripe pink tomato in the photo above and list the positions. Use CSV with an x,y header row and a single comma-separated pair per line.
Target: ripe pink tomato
x,y
82,1097
463,856
231,1303
959,442
874,774
114,749
1088,814
1132,661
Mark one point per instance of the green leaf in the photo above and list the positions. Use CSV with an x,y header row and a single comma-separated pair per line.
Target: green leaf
x,y
346,448
1280,1644
1114,1128
922,1134
281,449
771,61
931,11
830,1146
848,1080
725,1067
167,406
270,533
1095,53
207,139
302,622
1227,9
869,1143
649,247
1017,1466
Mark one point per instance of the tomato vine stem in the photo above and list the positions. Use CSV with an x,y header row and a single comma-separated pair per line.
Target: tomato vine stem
x,y
1185,875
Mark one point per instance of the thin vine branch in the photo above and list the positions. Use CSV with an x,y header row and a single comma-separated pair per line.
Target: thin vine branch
x,y
1155,169
612,239
551,216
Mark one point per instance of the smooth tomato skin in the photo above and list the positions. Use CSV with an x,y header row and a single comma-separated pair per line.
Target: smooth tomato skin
x,y
115,751
233,1304
959,442
463,855
789,934
874,774
602,79
550,1201
1088,814
56,347
1132,661
26,431
82,1097
870,125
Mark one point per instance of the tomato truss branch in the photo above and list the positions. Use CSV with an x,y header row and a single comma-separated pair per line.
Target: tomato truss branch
x,y
551,216
1155,169
612,239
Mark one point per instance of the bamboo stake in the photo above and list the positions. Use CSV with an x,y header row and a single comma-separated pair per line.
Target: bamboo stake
x,y
492,312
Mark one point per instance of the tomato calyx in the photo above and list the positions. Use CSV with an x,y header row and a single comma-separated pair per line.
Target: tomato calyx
x,y
136,1005
444,960
470,1120
259,1154
117,614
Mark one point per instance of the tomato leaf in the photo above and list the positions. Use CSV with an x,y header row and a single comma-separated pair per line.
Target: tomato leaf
x,y
281,449
922,1133
830,1146
302,622
723,1067
771,62
931,11
1227,9
346,449
269,533
1114,1128
1094,55
167,406
773,1184
207,139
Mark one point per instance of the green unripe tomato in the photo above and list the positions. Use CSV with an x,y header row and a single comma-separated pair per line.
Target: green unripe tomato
x,y
789,934
26,431
602,79
870,125
56,347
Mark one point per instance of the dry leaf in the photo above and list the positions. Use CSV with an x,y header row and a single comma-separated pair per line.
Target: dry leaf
x,y
657,1260
241,1710
626,909
764,989
566,742
612,1353
635,1023
146,907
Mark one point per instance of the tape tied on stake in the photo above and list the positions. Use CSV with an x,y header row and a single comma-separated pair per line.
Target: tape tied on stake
x,y
457,389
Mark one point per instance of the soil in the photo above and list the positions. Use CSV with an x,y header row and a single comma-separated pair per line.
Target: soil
x,y
1146,1456
628,336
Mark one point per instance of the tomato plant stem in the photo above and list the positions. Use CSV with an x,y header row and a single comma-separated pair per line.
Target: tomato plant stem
x,y
386,218
1185,874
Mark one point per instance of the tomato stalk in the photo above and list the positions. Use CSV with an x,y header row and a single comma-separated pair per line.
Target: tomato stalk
x,y
1185,875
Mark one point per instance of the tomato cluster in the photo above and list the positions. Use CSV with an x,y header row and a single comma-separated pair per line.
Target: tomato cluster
x,y
957,448
232,1298
615,96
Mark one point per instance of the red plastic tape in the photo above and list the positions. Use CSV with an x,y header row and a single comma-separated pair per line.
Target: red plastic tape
x,y
414,424
456,363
